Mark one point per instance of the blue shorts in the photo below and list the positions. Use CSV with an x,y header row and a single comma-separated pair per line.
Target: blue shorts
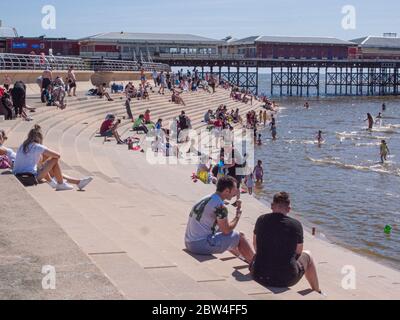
x,y
215,244
107,134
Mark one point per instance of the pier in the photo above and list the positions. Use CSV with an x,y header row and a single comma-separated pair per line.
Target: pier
x,y
298,77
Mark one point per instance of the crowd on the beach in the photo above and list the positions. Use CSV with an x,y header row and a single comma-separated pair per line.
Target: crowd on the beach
x,y
276,257
13,101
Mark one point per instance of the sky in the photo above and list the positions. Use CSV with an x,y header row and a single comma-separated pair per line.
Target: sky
x,y
211,18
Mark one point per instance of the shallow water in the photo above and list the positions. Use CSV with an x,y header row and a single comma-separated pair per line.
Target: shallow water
x,y
339,187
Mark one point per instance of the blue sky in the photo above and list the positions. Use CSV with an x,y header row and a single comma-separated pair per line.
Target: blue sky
x,y
212,18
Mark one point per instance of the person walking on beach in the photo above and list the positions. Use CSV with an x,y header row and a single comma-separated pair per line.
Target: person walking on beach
x,y
280,260
7,82
307,105
155,76
47,77
212,83
162,83
383,107
210,232
71,82
142,77
129,109
370,120
384,151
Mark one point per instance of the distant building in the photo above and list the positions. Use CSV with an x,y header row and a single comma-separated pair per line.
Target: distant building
x,y
6,33
58,46
127,45
281,47
371,47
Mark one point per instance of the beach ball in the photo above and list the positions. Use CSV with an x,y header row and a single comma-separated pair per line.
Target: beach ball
x,y
388,229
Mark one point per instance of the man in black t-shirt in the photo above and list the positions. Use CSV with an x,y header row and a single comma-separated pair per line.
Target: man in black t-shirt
x,y
278,241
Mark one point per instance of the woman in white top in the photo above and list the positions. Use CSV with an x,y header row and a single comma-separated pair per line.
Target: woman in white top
x,y
34,158
6,151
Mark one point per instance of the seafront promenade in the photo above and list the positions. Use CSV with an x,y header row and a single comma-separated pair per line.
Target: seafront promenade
x,y
125,234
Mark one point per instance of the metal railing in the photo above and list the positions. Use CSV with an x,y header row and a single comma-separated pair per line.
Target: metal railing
x,y
123,65
10,61
213,56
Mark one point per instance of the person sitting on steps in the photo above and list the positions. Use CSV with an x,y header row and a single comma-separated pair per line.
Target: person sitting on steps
x,y
36,159
280,260
108,129
101,91
209,230
140,125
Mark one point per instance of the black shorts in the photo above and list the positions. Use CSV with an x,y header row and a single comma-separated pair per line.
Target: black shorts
x,y
72,84
303,263
45,83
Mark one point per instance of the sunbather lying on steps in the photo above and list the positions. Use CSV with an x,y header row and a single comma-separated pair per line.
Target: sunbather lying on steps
x,y
36,159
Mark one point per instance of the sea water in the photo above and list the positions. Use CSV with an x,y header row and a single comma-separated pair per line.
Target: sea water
x,y
340,187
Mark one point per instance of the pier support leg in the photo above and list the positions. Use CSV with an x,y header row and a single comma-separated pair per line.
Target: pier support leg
x,y
257,80
326,81
238,76
272,81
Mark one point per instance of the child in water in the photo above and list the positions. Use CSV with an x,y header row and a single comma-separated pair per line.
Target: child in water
x,y
259,172
259,142
384,151
378,119
273,132
250,183
320,139
265,118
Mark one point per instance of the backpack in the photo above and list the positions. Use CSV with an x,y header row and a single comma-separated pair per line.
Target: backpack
x,y
5,162
27,179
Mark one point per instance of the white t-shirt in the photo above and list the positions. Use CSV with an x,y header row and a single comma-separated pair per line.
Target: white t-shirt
x,y
203,218
27,162
10,153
